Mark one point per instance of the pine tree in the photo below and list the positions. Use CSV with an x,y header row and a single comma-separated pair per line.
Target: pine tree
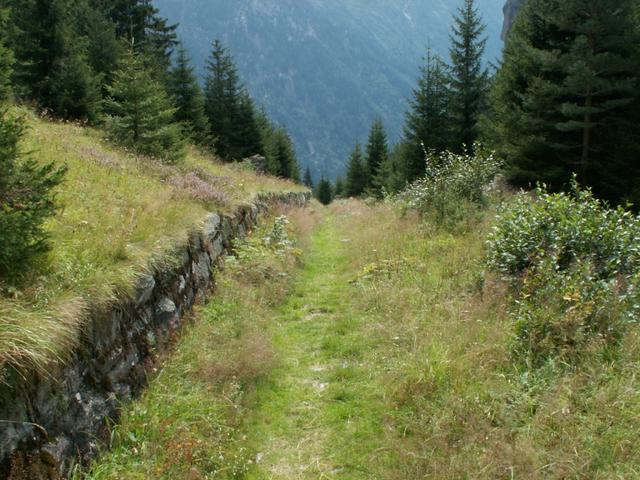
x,y
103,48
377,152
222,98
26,199
141,112
392,177
188,99
308,181
566,97
51,65
139,22
281,157
6,59
356,181
428,121
245,139
468,78
323,191
338,189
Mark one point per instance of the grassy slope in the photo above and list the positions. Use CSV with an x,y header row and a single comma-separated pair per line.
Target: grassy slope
x,y
120,215
389,358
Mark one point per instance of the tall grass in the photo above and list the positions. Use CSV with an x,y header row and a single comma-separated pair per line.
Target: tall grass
x,y
121,215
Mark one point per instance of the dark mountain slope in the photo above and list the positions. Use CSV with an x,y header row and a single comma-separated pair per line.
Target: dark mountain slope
x,y
326,68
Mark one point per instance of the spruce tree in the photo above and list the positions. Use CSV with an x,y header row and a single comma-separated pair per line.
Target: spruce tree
x,y
308,181
427,122
51,65
392,177
245,139
26,199
188,99
6,59
141,112
357,175
377,152
338,190
323,191
139,22
222,98
281,157
566,97
468,78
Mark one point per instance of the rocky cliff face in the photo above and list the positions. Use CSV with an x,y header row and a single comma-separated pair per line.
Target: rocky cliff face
x,y
510,10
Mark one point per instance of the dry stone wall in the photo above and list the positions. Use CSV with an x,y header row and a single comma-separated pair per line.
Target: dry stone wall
x,y
49,423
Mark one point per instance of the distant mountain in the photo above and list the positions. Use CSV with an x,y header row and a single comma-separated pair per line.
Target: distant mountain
x,y
511,9
327,68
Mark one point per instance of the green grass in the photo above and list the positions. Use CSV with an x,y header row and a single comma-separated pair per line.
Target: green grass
x,y
121,215
386,356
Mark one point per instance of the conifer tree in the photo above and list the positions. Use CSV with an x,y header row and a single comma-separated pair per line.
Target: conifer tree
x,y
308,181
377,151
103,48
245,139
139,22
222,97
6,59
141,112
323,191
428,121
392,177
338,189
281,157
468,78
26,199
51,65
357,175
566,97
188,99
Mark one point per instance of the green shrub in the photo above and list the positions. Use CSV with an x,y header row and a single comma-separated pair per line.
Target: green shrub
x,y
574,265
451,183
26,199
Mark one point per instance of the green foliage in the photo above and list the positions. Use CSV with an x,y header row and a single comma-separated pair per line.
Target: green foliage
x,y
391,177
357,174
452,182
188,99
377,152
428,121
307,181
468,78
566,98
576,265
324,192
141,115
26,199
52,65
138,22
6,59
338,189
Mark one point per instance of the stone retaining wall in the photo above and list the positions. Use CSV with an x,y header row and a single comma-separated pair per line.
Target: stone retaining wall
x,y
48,424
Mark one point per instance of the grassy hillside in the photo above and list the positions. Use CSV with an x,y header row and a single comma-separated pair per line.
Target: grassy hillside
x,y
120,215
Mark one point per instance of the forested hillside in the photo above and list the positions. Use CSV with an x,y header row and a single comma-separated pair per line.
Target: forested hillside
x,y
307,60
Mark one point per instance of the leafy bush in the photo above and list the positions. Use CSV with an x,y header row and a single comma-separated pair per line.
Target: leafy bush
x,y
452,181
575,265
26,199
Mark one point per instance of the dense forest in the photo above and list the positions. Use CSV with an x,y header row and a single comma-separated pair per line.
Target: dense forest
x,y
563,100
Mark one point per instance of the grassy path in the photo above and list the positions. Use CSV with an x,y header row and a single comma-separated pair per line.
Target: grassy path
x,y
320,415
